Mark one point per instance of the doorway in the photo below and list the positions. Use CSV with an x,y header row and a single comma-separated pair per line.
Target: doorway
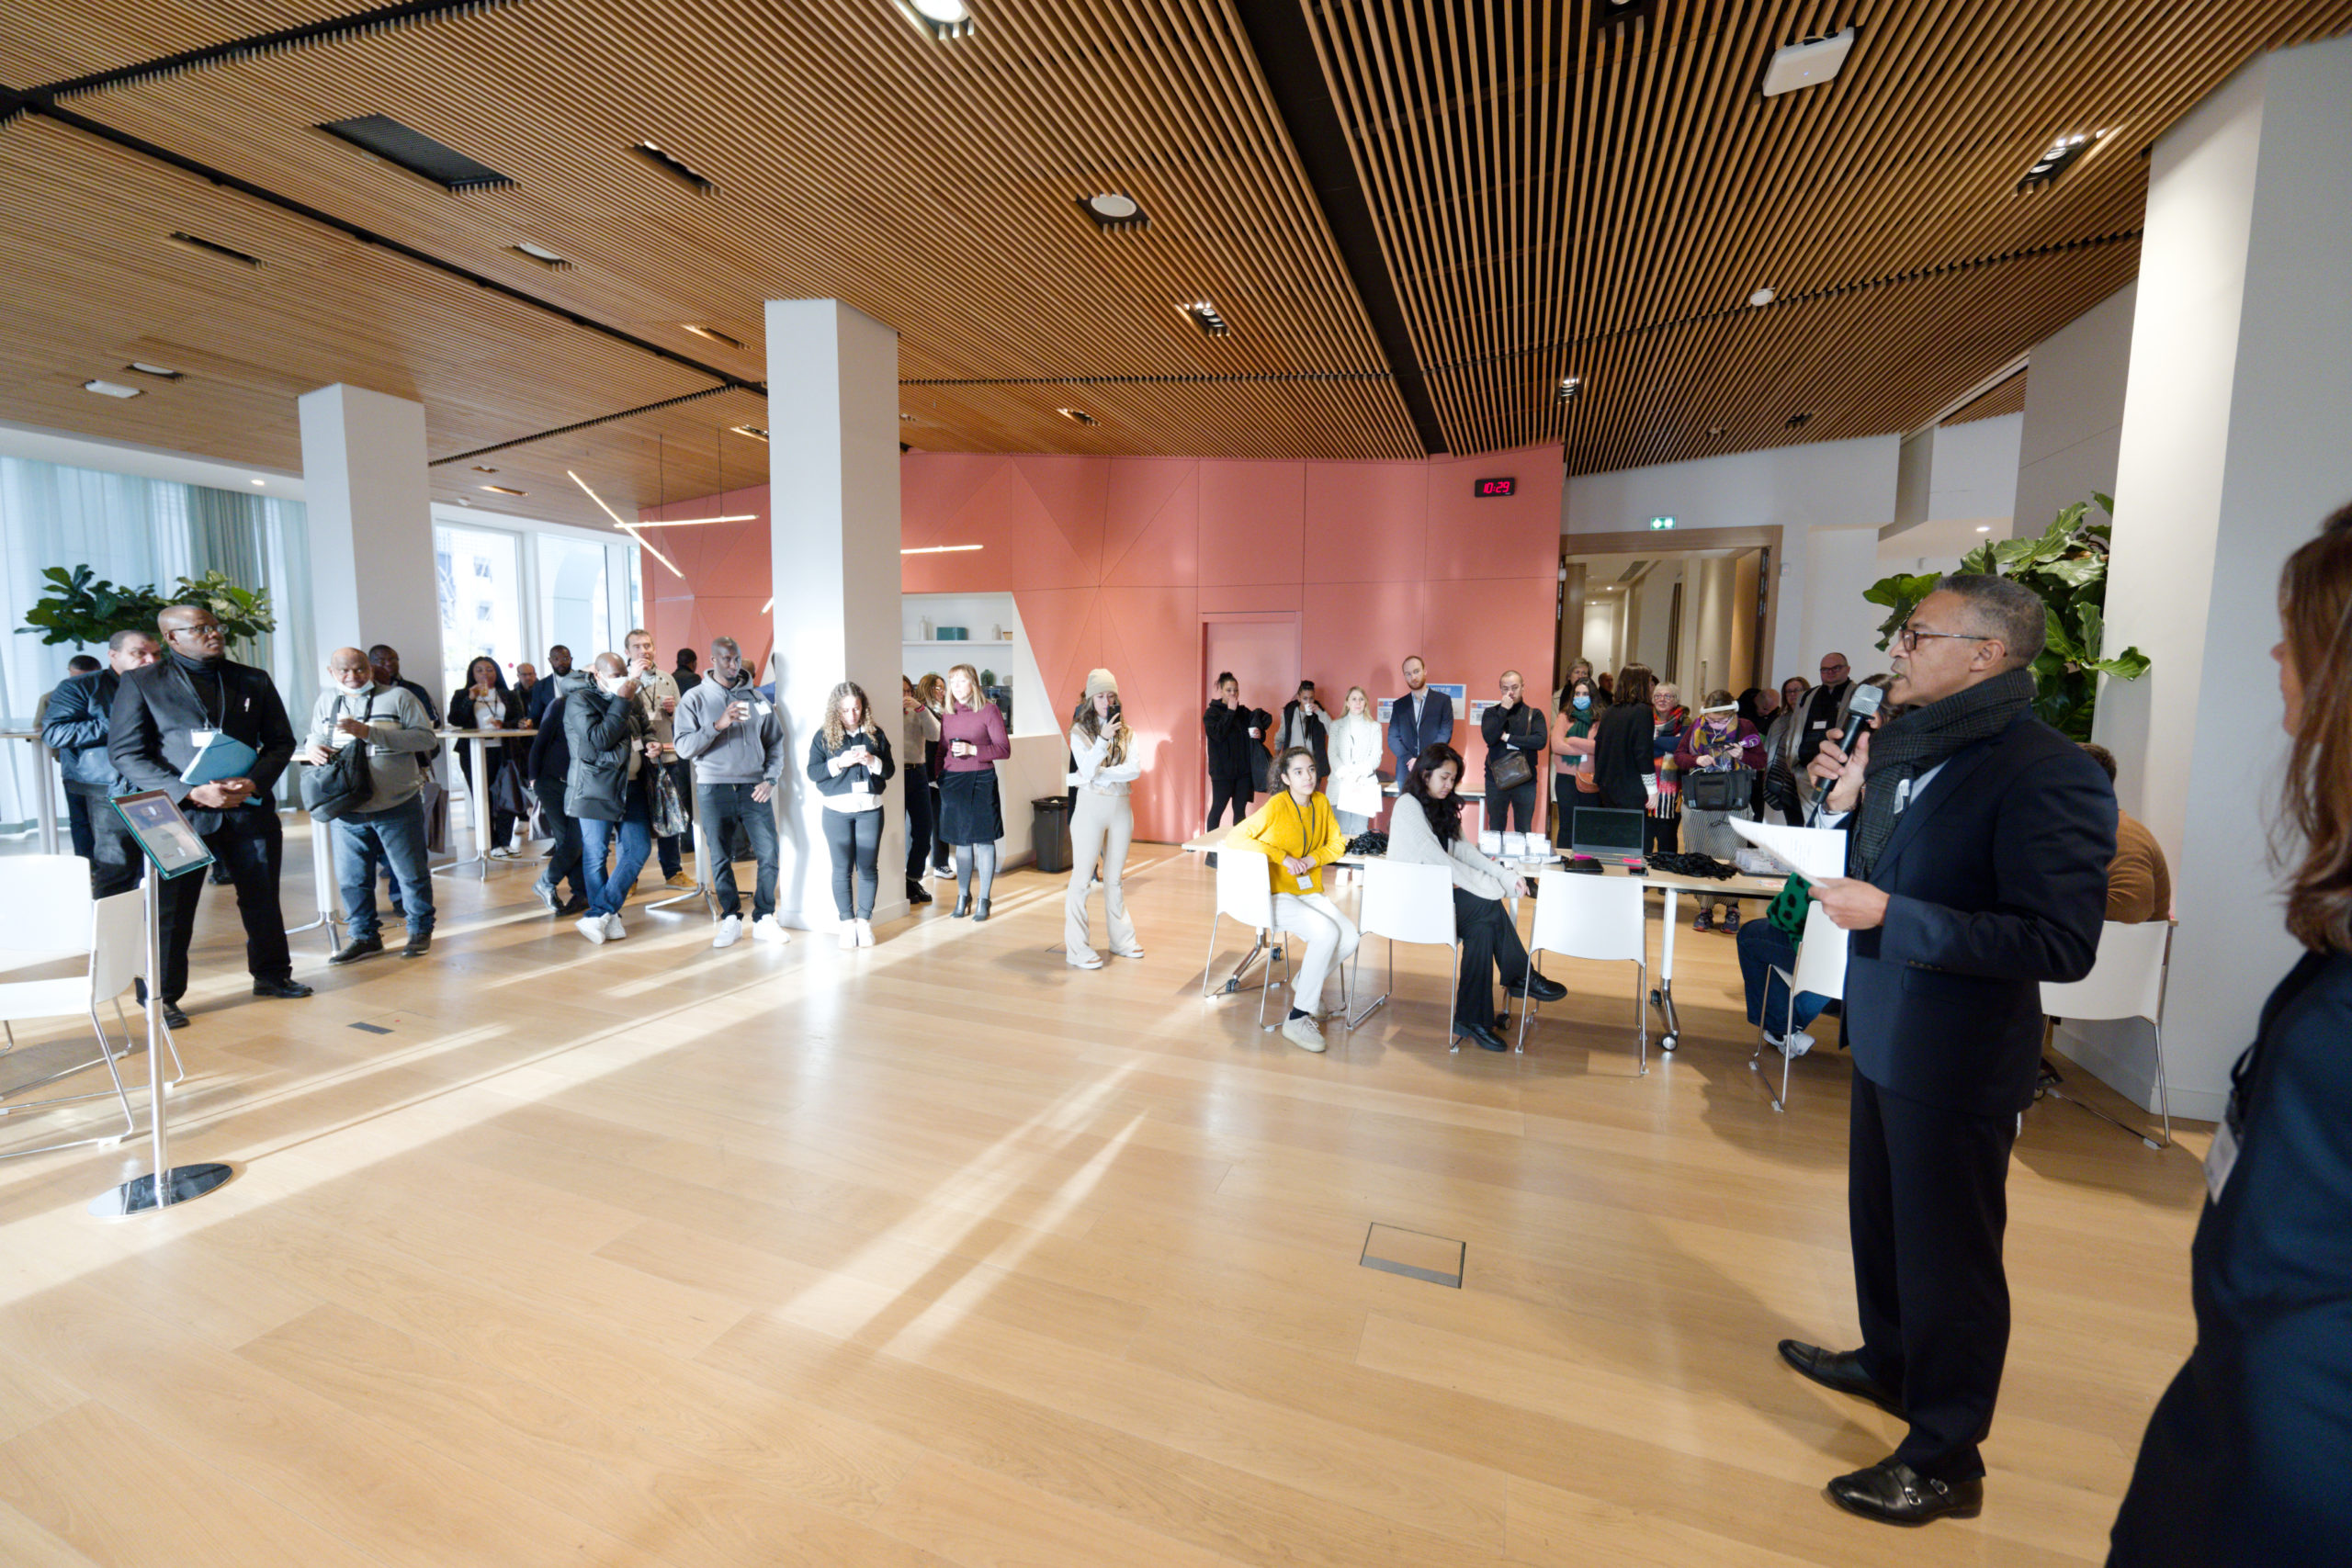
x,y
1261,650
1697,616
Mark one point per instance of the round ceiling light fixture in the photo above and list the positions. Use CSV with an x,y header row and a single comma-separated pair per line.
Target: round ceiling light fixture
x,y
944,21
1762,298
941,10
1113,209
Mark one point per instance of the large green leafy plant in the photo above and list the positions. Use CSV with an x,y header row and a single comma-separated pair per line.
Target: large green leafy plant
x,y
80,607
2066,567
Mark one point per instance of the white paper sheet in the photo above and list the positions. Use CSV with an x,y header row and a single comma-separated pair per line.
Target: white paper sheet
x,y
1814,853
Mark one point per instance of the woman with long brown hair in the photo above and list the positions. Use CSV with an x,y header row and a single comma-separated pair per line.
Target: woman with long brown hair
x,y
971,812
1105,760
2243,1458
850,763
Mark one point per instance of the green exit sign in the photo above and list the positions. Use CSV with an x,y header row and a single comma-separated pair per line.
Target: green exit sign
x,y
1661,522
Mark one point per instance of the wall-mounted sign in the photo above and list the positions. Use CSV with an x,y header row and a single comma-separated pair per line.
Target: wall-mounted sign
x,y
1661,522
1496,487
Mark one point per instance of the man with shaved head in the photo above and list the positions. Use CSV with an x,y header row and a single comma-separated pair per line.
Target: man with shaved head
x,y
163,715
357,709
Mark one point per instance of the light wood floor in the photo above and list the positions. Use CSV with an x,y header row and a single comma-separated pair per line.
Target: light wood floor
x,y
946,1253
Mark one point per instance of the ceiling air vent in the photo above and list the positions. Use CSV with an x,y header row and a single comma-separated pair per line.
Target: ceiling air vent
x,y
713,334
418,154
674,168
755,432
206,247
1078,415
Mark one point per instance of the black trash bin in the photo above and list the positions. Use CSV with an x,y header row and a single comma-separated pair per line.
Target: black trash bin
x,y
1049,833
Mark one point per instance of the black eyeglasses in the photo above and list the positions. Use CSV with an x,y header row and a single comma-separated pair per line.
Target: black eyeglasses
x,y
1909,637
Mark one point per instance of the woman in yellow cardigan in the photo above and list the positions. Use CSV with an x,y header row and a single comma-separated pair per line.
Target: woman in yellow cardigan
x,y
1299,835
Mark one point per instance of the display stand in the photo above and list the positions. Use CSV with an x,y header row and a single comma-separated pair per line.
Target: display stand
x,y
322,879
152,819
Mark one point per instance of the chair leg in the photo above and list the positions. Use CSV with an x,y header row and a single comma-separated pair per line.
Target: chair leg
x,y
1642,1011
1526,1007
2163,1090
1452,1043
106,1049
1210,962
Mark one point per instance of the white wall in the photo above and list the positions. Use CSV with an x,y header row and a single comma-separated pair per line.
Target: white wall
x,y
1976,471
2073,412
1829,486
1840,564
1014,662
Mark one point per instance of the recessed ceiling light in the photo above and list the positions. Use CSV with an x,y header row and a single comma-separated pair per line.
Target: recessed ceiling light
x,y
1762,297
261,482
538,254
161,373
505,490
1569,386
713,334
1081,415
1799,420
1983,527
1611,11
670,166
209,248
1714,430
943,21
2056,159
1807,62
1204,317
109,389
1113,209
484,468
757,432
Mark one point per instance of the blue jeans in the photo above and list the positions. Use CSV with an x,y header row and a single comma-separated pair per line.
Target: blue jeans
x,y
393,838
606,894
720,807
563,854
1763,944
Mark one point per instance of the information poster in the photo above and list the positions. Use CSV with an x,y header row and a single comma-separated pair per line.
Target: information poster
x,y
163,832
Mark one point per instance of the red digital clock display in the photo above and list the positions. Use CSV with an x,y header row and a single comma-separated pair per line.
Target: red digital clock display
x,y
1496,487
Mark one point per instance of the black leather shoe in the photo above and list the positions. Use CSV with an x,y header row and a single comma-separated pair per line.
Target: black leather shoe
x,y
1483,1038
284,990
418,945
1841,1371
578,905
979,911
1536,986
1893,1494
916,892
358,948
172,1016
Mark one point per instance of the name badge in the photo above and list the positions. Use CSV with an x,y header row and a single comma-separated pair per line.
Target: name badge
x,y
2220,1160
760,708
1820,723
202,737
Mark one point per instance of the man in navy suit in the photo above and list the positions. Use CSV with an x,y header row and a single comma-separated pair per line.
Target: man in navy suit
x,y
1421,717
1978,841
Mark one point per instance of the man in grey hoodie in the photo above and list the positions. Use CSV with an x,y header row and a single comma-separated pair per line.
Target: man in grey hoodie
x,y
356,708
735,740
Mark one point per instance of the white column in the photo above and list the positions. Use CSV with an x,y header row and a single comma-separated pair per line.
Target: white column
x,y
2233,448
833,544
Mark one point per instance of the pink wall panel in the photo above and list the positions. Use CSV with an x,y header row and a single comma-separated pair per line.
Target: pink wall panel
x,y
1366,522
1150,642
1250,596
1475,631
1515,536
1357,634
1253,520
1152,521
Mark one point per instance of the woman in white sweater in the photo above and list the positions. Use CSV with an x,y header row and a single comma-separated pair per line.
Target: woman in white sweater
x,y
1104,763
1426,829
1356,747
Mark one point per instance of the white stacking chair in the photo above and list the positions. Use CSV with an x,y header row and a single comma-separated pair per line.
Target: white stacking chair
x,y
2127,980
1405,902
47,915
1580,916
1821,969
1246,894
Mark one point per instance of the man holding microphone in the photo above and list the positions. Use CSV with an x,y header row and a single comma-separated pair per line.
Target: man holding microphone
x,y
1978,840
735,740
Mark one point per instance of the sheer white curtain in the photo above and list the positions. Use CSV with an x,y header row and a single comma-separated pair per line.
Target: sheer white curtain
x,y
138,532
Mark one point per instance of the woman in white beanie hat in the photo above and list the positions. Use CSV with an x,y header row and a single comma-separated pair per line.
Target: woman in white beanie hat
x,y
1104,763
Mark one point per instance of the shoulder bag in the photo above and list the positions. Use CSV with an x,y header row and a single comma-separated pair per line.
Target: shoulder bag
x,y
342,785
1512,769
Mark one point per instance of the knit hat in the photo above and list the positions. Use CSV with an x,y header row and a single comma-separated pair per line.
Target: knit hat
x,y
1101,680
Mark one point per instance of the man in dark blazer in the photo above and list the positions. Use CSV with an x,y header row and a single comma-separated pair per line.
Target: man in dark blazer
x,y
158,712
1822,705
1421,717
1978,840
74,726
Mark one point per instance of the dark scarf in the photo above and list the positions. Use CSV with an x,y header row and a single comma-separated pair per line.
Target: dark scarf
x,y
1924,739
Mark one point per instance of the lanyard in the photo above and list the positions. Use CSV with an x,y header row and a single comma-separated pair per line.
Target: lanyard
x,y
196,696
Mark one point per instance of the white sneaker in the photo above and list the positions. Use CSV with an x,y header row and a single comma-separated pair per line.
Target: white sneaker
x,y
848,935
1792,1047
730,932
1079,958
501,853
1302,1032
1127,952
767,928
592,927
865,934
614,931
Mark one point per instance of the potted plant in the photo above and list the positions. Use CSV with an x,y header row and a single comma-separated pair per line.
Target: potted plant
x,y
82,607
2066,567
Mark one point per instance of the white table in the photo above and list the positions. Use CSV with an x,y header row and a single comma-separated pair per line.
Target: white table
x,y
45,790
478,791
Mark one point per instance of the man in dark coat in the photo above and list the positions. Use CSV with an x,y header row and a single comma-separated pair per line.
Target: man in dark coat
x,y
74,726
1978,841
159,713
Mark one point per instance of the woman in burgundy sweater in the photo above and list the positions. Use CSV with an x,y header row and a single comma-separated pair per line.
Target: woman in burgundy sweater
x,y
971,815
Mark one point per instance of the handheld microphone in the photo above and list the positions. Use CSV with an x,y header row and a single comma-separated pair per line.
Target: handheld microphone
x,y
1866,701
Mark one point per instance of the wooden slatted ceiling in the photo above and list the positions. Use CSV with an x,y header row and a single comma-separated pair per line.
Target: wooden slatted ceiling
x,y
2007,397
1553,199
1559,197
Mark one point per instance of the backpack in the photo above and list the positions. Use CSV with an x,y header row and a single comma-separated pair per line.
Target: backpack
x,y
343,783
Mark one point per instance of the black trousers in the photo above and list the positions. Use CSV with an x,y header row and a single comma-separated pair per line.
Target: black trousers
x,y
563,853
116,860
1927,1197
250,844
1236,792
1489,943
77,821
918,792
1510,810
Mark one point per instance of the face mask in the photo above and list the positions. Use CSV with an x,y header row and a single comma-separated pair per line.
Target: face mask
x,y
1583,702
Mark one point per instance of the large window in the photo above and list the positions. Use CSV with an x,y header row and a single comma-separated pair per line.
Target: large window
x,y
575,597
480,572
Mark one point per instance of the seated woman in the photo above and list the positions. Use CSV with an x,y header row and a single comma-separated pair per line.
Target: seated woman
x,y
1426,830
1763,947
1717,741
1299,834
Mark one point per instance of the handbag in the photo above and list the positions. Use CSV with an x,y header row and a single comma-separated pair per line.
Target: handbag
x,y
1512,769
341,784
669,812
1725,789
